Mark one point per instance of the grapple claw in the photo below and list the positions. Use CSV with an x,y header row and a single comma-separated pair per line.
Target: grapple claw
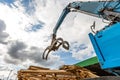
x,y
55,44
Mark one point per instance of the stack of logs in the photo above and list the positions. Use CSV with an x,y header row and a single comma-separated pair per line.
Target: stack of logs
x,y
66,72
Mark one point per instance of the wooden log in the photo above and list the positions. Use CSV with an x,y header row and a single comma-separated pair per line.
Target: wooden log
x,y
62,72
37,68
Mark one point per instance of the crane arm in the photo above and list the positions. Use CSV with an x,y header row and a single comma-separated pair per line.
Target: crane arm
x,y
62,17
107,9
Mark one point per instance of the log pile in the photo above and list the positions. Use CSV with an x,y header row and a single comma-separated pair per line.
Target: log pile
x,y
80,72
66,72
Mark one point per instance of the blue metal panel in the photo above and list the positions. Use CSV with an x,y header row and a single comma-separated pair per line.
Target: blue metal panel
x,y
96,48
108,43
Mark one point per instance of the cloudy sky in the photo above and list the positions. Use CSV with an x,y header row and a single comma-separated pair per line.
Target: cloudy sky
x,y
26,27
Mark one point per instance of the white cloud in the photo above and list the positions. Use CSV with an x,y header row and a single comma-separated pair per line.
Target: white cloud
x,y
3,34
84,53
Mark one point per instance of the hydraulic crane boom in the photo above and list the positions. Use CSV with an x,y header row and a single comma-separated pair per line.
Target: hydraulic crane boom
x,y
107,10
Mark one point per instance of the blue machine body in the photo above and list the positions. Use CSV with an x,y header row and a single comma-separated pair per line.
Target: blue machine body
x,y
106,44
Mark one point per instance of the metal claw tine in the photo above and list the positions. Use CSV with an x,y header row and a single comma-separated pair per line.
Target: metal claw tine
x,y
47,54
59,39
43,56
66,45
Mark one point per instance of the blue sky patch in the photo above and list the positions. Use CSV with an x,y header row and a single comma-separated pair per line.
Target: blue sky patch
x,y
8,2
66,57
77,46
34,27
29,6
